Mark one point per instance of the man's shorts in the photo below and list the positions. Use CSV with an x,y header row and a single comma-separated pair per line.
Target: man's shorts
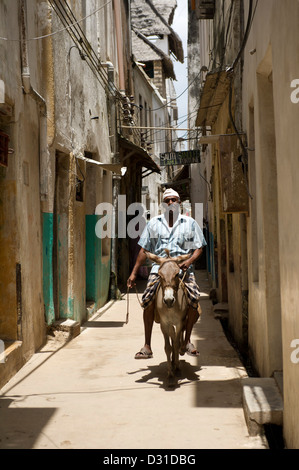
x,y
153,282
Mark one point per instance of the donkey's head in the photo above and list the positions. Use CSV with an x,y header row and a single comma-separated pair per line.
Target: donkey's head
x,y
169,275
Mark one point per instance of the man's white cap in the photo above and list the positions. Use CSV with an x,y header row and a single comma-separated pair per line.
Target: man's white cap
x,y
170,193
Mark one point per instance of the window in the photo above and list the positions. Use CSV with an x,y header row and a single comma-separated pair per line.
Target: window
x,y
204,9
4,139
149,69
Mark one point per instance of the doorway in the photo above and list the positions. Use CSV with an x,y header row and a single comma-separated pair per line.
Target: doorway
x,y
60,239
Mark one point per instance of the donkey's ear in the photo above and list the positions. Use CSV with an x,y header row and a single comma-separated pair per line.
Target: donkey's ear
x,y
155,258
179,259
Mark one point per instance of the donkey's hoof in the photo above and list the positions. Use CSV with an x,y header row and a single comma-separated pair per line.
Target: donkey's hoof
x,y
171,380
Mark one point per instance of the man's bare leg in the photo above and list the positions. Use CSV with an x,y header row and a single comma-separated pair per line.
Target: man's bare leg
x,y
192,317
148,320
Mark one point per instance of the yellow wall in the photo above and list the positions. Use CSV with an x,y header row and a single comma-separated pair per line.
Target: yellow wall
x,y
274,294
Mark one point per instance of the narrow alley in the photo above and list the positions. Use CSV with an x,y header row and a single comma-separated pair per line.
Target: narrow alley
x,y
90,393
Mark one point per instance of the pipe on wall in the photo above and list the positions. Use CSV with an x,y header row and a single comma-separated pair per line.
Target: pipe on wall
x,y
114,291
29,90
119,43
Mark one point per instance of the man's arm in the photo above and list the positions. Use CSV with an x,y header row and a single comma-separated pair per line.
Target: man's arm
x,y
195,255
139,262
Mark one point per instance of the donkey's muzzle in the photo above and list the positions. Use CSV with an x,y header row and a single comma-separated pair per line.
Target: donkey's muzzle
x,y
169,303
169,297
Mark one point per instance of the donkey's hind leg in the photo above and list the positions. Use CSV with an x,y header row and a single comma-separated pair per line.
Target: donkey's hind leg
x,y
182,348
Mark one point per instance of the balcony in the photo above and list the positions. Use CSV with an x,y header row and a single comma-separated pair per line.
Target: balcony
x,y
133,142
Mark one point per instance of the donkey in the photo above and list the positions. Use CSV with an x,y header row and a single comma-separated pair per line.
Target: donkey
x,y
171,306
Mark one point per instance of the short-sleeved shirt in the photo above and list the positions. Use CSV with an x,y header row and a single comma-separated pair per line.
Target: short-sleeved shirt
x,y
183,238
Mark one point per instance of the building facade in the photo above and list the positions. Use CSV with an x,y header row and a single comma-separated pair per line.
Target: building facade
x,y
247,119
70,154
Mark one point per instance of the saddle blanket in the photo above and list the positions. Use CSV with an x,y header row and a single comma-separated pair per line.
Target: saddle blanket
x,y
153,282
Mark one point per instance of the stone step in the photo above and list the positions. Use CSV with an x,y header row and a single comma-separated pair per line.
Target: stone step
x,y
10,358
71,326
278,376
220,311
6,348
262,403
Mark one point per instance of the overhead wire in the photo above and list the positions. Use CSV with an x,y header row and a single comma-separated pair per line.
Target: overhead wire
x,y
251,14
244,156
87,53
77,34
72,26
212,61
60,30
177,97
198,74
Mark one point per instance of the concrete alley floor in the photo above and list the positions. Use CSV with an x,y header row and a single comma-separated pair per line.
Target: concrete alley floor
x,y
91,393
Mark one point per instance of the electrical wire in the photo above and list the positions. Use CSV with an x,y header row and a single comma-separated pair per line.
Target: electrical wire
x,y
245,38
78,36
251,14
83,46
198,74
74,29
86,51
60,30
244,157
65,14
179,96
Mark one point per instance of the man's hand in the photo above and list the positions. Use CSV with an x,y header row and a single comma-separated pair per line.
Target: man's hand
x,y
139,262
185,265
131,281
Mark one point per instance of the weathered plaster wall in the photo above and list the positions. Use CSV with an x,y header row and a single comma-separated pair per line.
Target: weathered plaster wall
x,y
156,115
22,304
274,320
219,42
81,123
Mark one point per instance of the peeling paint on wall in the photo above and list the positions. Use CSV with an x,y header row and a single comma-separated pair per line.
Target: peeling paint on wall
x,y
97,266
48,267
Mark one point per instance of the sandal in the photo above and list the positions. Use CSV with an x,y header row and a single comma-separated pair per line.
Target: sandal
x,y
144,354
191,350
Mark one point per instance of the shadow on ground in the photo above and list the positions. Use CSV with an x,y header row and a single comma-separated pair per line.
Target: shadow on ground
x,y
157,375
21,427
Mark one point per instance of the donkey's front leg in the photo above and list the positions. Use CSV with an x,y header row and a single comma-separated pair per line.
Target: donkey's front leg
x,y
168,350
176,349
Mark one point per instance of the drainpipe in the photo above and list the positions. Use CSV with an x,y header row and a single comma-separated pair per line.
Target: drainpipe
x,y
114,291
119,44
44,167
29,90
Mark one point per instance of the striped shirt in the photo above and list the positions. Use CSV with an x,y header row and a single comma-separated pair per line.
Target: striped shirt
x,y
183,238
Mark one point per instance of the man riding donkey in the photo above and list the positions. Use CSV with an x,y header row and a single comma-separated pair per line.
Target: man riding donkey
x,y
180,235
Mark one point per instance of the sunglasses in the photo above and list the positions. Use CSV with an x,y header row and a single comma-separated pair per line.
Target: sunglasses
x,y
171,199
